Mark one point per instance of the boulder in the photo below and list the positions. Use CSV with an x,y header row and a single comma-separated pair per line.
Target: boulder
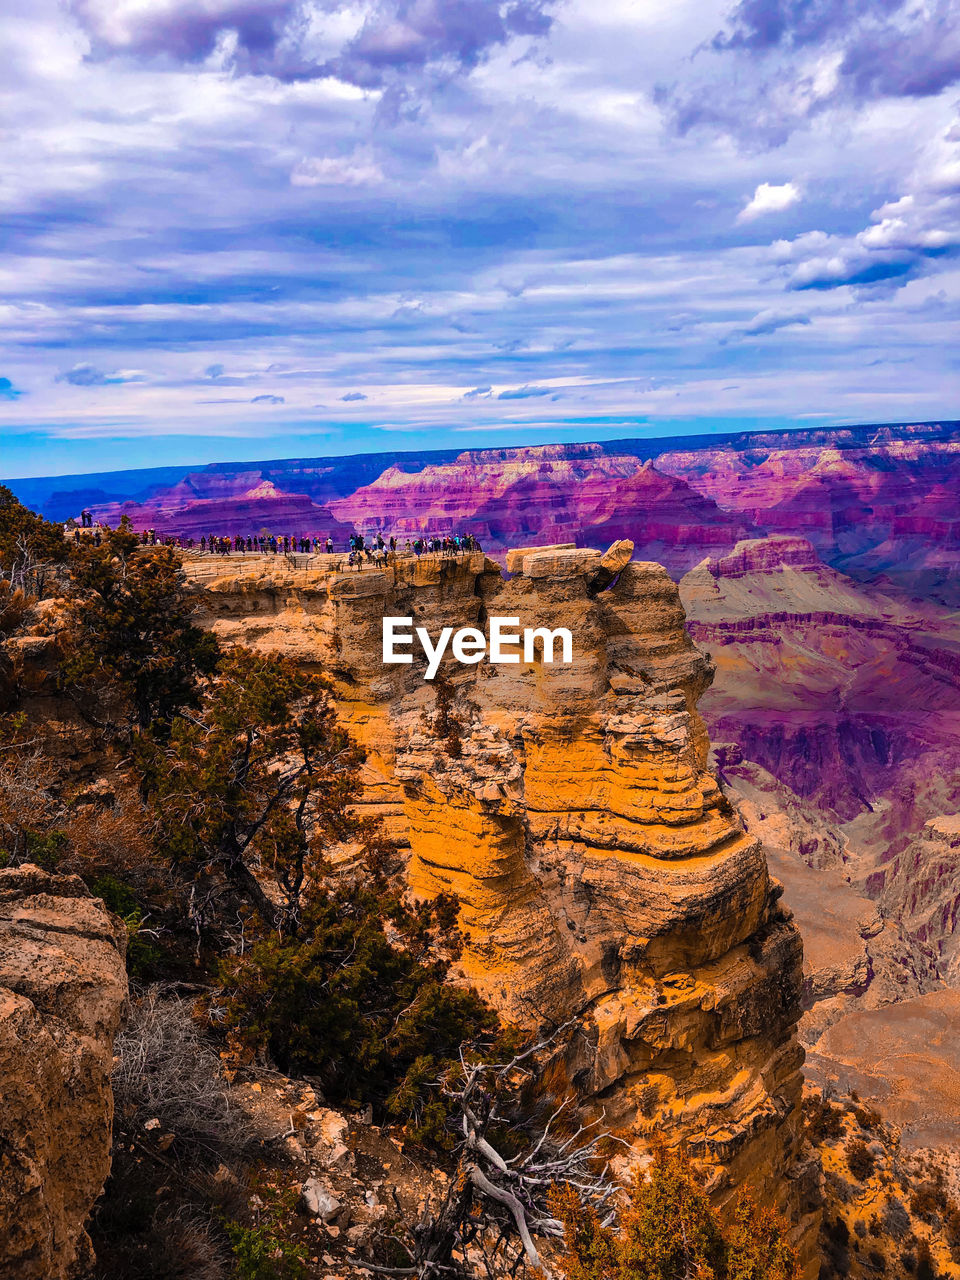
x,y
516,556
318,1201
573,562
613,561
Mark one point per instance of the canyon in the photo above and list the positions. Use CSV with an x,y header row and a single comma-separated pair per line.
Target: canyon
x,y
791,599
834,709
835,713
877,502
850,697
601,872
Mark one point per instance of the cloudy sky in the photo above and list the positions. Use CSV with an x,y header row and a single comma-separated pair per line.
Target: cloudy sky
x,y
255,228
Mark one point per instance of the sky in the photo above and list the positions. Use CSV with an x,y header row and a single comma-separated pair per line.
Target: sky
x,y
235,229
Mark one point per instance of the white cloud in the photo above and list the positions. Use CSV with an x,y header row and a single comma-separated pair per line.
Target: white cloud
x,y
769,198
525,222
336,171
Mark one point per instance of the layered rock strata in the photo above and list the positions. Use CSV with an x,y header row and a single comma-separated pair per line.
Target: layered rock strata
x,y
847,696
920,888
601,873
63,989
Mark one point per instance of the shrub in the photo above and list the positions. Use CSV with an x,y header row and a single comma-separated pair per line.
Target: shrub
x,y
925,1268
860,1161
824,1122
868,1118
264,1244
757,1247
30,810
143,956
31,548
951,1228
257,783
839,1188
838,1231
262,1255
928,1201
896,1220
176,1244
374,1020
132,655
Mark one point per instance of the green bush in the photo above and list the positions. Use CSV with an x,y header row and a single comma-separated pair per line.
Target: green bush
x,y
143,955
262,1255
374,1018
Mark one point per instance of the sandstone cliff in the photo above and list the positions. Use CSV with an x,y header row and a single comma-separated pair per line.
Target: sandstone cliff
x,y
63,989
600,871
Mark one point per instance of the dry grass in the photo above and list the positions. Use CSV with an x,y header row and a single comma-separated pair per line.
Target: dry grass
x,y
183,1246
166,1070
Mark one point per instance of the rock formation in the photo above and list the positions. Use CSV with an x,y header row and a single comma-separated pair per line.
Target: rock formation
x,y
920,888
262,506
63,989
601,873
883,505
847,696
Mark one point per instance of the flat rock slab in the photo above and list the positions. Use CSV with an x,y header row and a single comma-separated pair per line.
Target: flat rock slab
x,y
571,563
515,557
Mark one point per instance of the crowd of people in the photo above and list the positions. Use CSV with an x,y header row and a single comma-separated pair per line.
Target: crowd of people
x,y
379,552
362,551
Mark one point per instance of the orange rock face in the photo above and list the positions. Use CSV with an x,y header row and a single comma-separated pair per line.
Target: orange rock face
x,y
601,873
63,993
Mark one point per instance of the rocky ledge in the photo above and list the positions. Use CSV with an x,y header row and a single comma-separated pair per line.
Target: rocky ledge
x,y
63,990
